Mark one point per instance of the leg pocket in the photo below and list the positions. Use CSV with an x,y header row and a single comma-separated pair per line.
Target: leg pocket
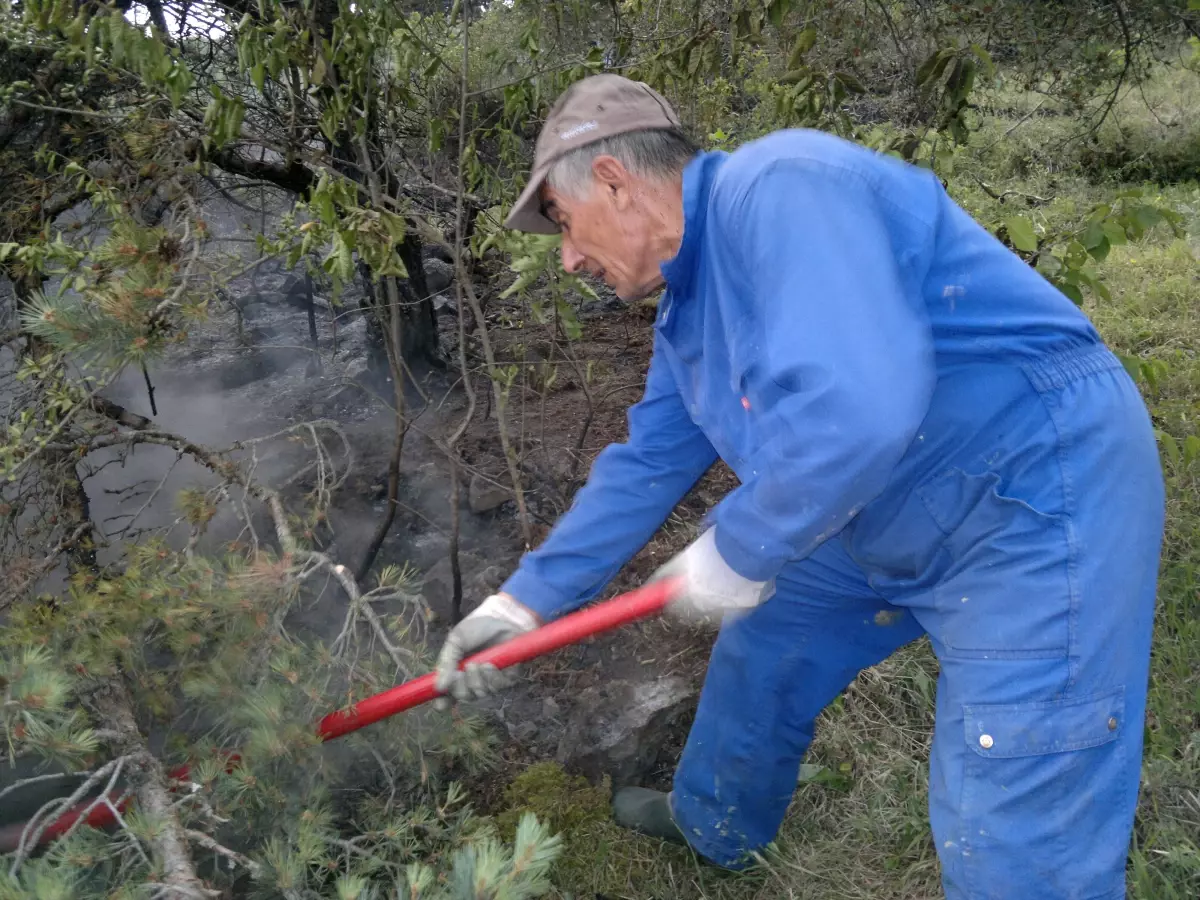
x,y
1042,811
1001,582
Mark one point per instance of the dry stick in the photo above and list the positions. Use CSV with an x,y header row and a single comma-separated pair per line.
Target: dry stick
x,y
149,391
311,309
581,374
36,779
460,276
1021,121
498,392
394,347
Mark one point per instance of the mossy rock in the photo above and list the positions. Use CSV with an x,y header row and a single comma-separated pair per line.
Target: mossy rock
x,y
599,857
565,802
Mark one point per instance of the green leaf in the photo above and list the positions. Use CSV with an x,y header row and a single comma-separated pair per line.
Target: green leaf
x,y
1093,235
1170,446
1049,265
1021,233
1077,255
777,10
1072,291
989,67
1191,449
852,84
930,70
804,43
1132,365
1115,233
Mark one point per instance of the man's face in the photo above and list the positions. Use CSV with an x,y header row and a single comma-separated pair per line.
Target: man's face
x,y
607,232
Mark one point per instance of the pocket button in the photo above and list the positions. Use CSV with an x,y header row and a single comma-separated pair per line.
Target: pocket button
x,y
985,741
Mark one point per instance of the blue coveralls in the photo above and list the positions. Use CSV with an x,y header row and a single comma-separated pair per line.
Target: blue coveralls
x,y
930,439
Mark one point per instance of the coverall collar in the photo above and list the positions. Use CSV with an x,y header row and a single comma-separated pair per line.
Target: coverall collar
x,y
697,181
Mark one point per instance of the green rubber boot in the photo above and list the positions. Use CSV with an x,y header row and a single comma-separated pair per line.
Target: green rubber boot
x,y
647,812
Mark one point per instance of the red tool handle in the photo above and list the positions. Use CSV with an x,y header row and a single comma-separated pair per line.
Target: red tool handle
x,y
570,629
639,604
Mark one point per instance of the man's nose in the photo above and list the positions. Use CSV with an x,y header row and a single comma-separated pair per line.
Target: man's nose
x,y
572,259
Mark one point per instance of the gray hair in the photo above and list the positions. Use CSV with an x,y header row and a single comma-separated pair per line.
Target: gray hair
x,y
653,154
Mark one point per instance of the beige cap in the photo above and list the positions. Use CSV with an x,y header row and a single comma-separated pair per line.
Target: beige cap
x,y
591,109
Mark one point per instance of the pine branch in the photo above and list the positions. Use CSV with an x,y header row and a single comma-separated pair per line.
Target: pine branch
x,y
114,706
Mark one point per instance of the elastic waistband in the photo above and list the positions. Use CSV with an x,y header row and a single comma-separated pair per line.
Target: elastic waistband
x,y
1055,371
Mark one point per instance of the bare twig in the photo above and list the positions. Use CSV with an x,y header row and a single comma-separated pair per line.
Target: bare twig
x,y
45,817
29,577
461,275
208,843
394,345
1025,118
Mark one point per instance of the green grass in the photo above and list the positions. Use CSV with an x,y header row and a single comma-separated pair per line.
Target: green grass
x,y
858,826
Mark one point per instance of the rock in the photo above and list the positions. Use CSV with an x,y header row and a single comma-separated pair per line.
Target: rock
x,y
523,731
439,275
483,496
348,377
605,303
353,339
291,290
444,306
437,251
355,368
618,728
550,708
438,584
488,581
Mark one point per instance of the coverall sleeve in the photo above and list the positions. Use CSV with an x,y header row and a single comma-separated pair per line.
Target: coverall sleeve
x,y
630,491
843,368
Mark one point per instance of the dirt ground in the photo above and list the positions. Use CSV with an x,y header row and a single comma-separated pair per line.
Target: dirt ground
x,y
556,454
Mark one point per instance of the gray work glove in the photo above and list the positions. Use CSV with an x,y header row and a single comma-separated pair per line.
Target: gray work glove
x,y
499,618
710,588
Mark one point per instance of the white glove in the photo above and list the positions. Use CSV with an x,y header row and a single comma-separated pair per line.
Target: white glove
x,y
710,587
497,619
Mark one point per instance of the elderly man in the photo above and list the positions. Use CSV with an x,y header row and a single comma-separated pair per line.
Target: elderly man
x,y
929,438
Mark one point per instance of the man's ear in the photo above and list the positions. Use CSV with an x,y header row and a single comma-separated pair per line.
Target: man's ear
x,y
613,176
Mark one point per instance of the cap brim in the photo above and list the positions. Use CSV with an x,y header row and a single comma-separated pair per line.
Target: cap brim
x,y
526,214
